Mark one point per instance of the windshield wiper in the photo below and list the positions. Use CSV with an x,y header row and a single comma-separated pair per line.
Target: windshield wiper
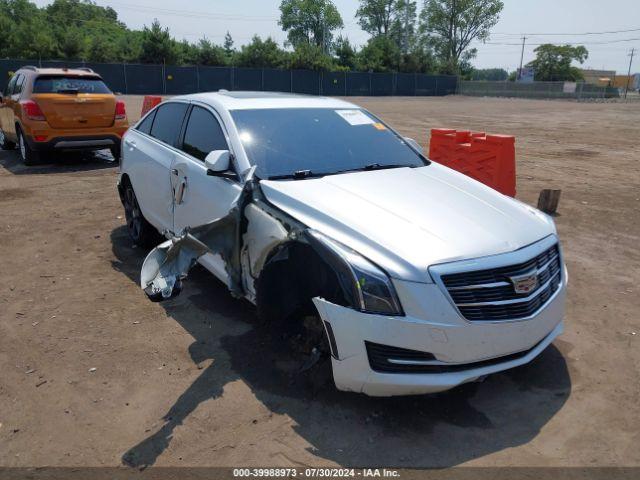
x,y
72,91
297,175
373,166
302,174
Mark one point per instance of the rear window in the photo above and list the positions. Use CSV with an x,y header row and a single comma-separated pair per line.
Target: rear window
x,y
168,121
69,84
145,125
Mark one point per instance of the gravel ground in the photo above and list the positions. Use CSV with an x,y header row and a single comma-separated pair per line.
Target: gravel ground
x,y
94,373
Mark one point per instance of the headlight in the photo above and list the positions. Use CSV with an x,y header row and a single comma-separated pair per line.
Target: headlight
x,y
372,288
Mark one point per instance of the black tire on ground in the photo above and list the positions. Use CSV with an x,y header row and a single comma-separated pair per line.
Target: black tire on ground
x,y
28,156
140,230
4,143
115,151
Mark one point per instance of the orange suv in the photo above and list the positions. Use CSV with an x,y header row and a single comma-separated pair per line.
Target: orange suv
x,y
45,109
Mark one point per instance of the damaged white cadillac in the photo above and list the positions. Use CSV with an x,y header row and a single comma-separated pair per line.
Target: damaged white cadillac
x,y
420,278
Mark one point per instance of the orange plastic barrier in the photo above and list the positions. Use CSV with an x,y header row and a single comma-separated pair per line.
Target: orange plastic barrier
x,y
149,102
490,159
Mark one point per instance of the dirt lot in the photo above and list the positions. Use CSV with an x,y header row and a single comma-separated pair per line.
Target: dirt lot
x,y
193,382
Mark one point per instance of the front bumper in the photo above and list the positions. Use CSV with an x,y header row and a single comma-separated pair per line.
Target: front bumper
x,y
432,325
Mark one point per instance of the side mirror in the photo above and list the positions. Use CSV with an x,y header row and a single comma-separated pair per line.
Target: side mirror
x,y
217,162
414,144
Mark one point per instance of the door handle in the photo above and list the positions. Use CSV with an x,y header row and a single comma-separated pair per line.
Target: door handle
x,y
130,143
180,192
174,171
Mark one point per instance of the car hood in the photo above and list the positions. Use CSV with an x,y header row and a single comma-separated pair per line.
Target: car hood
x,y
407,219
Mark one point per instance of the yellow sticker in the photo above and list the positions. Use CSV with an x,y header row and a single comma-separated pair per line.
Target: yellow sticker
x,y
379,126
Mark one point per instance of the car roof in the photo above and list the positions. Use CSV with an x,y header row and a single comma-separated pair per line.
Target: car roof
x,y
244,100
61,71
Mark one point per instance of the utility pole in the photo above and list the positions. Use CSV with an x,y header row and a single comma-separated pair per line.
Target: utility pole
x,y
626,89
519,76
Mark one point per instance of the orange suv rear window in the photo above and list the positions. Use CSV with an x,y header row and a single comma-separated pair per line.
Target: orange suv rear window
x,y
69,84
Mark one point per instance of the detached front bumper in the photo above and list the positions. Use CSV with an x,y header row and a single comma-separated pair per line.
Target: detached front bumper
x,y
464,351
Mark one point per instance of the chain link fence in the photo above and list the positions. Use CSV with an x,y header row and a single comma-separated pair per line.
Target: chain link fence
x,y
564,90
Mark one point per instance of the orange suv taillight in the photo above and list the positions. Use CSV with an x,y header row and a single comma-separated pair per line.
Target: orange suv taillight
x,y
32,110
121,110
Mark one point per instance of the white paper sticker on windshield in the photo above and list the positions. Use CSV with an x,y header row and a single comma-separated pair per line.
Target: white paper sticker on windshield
x,y
355,117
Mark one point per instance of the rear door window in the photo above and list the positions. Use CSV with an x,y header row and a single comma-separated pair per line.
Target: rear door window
x,y
19,83
203,134
145,125
9,90
168,121
69,84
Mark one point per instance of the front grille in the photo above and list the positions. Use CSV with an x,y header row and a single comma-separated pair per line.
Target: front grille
x,y
385,359
489,295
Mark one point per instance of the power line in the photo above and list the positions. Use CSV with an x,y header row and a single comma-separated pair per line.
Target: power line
x,y
571,34
570,43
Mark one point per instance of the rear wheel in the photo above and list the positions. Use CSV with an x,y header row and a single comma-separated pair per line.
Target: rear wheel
x,y
28,156
140,230
4,143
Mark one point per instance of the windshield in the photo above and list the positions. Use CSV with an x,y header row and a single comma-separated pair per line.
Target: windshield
x,y
318,141
69,84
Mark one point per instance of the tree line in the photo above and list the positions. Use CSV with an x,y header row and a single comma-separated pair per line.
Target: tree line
x,y
438,39
401,39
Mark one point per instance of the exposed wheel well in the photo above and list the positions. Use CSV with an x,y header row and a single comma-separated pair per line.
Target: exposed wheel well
x,y
293,275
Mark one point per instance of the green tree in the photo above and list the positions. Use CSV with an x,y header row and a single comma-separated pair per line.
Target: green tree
x,y
310,21
375,16
71,44
345,53
419,59
310,57
403,25
553,62
451,26
188,53
261,53
380,54
130,46
157,45
210,54
228,45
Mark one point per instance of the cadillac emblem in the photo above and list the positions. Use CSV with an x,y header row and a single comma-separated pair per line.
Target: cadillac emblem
x,y
526,283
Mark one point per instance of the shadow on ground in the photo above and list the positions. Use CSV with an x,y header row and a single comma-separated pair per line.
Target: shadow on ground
x,y
474,420
57,162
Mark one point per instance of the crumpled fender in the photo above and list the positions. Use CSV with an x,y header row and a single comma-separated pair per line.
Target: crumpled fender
x,y
167,264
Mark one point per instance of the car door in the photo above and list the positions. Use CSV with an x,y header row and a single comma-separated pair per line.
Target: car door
x,y
149,152
201,198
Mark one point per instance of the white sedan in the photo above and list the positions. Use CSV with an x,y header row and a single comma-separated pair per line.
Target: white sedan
x,y
421,279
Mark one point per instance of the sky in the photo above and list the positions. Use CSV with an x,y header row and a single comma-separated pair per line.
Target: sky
x,y
194,19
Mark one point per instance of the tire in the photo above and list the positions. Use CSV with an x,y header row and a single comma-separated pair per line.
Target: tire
x,y
140,230
115,151
28,156
4,143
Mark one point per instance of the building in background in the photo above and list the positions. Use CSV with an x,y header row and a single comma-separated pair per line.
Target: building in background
x,y
634,81
602,78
